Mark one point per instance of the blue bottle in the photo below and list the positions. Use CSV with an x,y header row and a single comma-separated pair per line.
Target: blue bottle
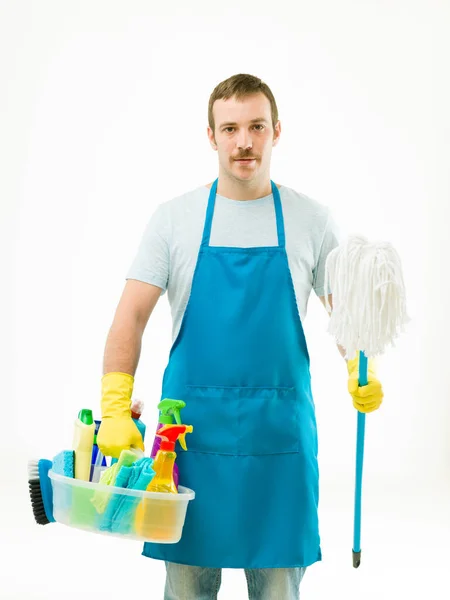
x,y
95,451
137,407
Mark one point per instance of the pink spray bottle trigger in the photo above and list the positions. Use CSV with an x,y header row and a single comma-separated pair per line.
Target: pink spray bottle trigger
x,y
169,435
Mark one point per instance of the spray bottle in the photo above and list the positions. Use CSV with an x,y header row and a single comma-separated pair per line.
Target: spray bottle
x,y
137,408
164,462
155,520
169,411
83,441
98,461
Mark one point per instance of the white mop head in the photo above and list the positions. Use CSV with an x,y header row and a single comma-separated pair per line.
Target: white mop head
x,y
369,305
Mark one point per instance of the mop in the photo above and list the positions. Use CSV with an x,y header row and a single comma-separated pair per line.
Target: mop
x,y
369,312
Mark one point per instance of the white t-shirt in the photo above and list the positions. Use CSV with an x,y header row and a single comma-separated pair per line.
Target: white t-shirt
x,y
168,251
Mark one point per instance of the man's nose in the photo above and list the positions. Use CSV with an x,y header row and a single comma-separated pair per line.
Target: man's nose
x,y
244,140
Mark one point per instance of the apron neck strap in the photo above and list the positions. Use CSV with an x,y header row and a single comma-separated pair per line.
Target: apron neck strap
x,y
210,212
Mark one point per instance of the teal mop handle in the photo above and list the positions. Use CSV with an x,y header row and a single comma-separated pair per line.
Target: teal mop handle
x,y
361,427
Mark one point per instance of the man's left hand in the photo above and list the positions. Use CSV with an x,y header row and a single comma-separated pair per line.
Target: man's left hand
x,y
369,397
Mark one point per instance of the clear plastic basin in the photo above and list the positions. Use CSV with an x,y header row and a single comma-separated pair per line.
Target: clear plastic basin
x,y
134,514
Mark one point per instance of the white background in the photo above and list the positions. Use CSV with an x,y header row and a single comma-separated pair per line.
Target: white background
x,y
104,116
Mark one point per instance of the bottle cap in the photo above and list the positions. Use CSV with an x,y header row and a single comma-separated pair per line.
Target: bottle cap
x,y
85,416
137,408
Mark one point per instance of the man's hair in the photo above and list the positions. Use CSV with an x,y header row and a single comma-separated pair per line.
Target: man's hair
x,y
241,86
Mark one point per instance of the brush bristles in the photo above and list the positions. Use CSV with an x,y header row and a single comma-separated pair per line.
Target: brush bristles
x,y
33,469
37,502
34,486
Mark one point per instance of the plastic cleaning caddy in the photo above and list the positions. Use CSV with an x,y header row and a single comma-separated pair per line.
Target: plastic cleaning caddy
x,y
72,506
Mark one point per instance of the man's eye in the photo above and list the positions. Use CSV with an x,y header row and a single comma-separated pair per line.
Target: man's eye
x,y
259,125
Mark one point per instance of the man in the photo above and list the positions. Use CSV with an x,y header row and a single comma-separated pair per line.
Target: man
x,y
239,258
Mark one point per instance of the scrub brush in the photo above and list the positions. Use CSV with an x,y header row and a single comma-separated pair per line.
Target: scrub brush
x,y
41,493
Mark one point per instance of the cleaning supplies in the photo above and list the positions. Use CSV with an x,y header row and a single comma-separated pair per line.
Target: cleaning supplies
x,y
81,511
129,490
40,486
137,408
367,396
120,512
169,410
97,461
127,457
41,493
95,445
83,441
154,518
64,463
369,310
165,457
58,495
98,467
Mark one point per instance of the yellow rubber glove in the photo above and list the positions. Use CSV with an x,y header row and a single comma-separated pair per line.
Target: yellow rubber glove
x,y
117,431
367,398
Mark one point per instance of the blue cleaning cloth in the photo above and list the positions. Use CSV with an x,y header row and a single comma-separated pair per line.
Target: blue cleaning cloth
x,y
119,514
64,463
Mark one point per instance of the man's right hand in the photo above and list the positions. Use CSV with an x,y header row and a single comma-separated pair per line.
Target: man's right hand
x,y
117,430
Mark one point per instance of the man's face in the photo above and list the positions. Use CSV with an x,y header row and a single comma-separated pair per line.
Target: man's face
x,y
243,130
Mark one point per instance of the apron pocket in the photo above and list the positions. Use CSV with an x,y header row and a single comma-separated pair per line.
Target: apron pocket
x,y
242,420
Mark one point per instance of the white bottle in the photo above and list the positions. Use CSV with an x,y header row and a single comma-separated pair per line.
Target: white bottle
x,y
83,441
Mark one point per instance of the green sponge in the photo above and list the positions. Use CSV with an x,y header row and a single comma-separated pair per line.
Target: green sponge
x,y
64,463
126,459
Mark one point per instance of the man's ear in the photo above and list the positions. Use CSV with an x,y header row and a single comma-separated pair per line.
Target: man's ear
x,y
211,138
277,133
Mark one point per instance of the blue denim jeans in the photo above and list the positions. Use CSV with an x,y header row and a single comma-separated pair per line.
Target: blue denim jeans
x,y
196,583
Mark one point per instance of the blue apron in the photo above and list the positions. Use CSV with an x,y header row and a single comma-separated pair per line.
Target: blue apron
x,y
241,364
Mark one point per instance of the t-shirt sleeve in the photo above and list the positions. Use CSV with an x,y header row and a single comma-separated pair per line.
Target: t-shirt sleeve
x,y
152,261
331,239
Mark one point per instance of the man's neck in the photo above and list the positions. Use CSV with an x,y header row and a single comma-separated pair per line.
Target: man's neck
x,y
237,191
